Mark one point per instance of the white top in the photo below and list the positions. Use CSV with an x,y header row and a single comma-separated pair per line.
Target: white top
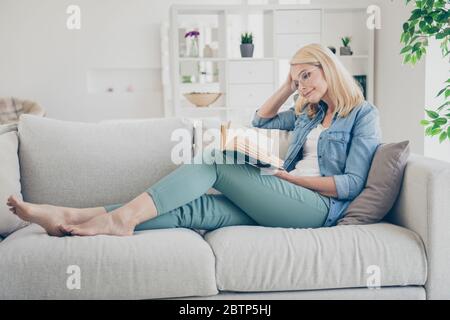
x,y
309,164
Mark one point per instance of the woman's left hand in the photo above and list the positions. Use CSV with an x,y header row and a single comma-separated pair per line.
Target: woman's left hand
x,y
283,174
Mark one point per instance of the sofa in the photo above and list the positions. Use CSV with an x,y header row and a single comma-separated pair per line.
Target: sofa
x,y
405,256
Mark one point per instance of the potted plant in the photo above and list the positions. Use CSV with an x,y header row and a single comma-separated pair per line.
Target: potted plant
x,y
247,45
346,50
428,20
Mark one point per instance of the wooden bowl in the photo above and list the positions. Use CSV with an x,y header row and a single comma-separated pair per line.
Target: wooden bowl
x,y
202,99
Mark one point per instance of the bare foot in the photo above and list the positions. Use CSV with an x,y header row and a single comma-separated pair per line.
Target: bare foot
x,y
47,216
108,224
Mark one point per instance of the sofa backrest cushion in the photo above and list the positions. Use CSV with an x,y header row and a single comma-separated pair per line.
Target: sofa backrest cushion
x,y
94,164
9,180
382,185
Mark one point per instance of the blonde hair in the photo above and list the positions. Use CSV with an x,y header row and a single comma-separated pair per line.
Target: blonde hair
x,y
343,89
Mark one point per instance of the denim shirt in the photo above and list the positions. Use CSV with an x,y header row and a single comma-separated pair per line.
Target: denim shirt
x,y
345,149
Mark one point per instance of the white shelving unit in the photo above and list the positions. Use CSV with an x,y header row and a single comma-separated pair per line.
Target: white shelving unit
x,y
279,31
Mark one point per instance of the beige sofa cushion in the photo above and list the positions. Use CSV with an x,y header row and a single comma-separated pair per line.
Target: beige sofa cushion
x,y
252,258
150,264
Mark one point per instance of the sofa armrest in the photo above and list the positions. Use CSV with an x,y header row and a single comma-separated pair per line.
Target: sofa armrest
x,y
423,206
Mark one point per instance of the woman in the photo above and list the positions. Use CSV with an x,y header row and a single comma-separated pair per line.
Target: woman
x,y
335,135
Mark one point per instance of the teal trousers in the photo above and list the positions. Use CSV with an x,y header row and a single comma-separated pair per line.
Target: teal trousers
x,y
247,198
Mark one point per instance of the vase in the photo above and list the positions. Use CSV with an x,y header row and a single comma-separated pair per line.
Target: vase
x,y
247,50
346,51
193,52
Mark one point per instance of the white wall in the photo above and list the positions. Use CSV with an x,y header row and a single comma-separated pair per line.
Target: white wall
x,y
437,72
400,89
41,60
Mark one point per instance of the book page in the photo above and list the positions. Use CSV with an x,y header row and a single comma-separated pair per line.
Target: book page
x,y
251,142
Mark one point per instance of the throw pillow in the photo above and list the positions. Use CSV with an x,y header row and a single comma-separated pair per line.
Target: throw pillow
x,y
9,182
382,186
8,127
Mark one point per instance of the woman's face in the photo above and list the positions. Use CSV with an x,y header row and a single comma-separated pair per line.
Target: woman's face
x,y
309,81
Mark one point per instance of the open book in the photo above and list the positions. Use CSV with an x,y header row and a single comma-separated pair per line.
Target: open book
x,y
250,146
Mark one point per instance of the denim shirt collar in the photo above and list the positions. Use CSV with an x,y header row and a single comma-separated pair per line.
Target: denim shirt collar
x,y
323,106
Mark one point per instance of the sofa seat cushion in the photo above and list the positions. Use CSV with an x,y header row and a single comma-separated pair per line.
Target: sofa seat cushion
x,y
253,258
150,264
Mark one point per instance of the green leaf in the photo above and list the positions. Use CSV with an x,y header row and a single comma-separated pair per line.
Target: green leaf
x,y
424,122
428,131
440,35
446,103
432,30
417,46
442,137
436,131
447,93
423,26
440,92
419,54
405,49
448,132
442,17
432,114
415,14
407,37
440,121
429,19
405,27
407,58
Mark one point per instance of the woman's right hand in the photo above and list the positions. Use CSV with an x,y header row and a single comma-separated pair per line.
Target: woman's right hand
x,y
289,83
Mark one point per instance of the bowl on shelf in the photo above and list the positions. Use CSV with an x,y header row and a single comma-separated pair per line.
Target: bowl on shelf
x,y
202,99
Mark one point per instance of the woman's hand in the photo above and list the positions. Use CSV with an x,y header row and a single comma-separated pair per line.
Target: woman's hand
x,y
283,174
289,83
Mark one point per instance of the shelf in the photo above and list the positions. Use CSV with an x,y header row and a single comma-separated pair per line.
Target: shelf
x,y
241,80
186,59
200,87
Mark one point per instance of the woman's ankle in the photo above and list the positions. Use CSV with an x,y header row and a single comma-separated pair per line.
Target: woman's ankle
x,y
80,215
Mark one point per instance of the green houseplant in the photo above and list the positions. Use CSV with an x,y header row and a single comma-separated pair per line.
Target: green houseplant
x,y
430,18
346,50
247,46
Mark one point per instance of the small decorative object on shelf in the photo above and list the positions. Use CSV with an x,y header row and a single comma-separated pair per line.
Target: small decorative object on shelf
x,y
346,50
247,45
332,49
193,35
130,88
202,99
110,89
207,51
186,79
